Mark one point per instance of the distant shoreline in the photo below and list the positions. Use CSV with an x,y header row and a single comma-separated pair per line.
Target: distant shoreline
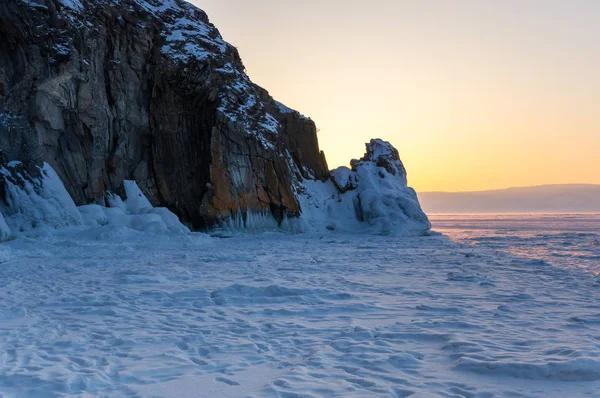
x,y
491,213
552,199
532,188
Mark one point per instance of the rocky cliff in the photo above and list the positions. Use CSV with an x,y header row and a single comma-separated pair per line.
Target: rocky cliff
x,y
147,90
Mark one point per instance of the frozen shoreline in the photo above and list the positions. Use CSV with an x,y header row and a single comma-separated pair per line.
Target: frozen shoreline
x,y
118,312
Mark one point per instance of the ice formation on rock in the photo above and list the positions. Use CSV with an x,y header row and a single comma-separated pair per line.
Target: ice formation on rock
x,y
36,201
5,233
39,204
135,212
373,195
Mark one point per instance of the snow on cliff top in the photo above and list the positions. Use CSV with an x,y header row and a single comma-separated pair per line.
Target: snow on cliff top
x,y
190,37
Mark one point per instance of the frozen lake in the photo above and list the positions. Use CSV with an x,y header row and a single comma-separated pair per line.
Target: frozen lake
x,y
115,312
563,240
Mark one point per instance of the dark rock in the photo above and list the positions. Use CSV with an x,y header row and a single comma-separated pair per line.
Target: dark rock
x,y
383,154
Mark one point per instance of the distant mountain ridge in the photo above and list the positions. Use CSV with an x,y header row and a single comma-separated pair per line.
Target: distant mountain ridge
x,y
569,198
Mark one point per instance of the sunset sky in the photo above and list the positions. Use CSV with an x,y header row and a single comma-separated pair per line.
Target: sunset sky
x,y
475,94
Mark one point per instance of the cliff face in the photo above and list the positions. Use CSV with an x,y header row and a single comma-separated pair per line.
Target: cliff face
x,y
147,90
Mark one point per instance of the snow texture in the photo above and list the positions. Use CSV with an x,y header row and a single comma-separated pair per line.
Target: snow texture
x,y
36,202
128,313
373,196
568,240
5,233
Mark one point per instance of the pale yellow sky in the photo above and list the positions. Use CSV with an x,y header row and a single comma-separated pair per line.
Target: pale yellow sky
x,y
475,94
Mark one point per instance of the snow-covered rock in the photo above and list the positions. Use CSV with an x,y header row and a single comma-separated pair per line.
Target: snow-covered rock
x,y
135,212
373,195
4,230
344,179
39,201
40,204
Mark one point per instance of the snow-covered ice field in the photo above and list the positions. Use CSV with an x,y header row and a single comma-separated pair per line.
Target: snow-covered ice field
x,y
113,312
563,240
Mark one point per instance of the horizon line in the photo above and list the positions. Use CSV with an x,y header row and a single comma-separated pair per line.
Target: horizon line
x,y
519,187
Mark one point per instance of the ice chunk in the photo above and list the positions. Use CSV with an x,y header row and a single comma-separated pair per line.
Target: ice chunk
x,y
136,202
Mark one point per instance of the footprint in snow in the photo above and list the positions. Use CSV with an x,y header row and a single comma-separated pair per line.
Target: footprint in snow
x,y
227,381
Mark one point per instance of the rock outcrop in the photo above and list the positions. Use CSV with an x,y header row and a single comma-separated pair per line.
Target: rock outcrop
x,y
383,197
373,196
147,90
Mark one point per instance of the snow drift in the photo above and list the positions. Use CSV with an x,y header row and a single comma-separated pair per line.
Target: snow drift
x,y
36,201
373,195
39,204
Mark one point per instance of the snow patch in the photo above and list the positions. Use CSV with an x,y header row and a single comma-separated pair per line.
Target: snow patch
x,y
72,4
287,110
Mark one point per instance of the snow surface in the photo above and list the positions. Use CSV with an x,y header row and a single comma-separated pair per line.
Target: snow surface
x,y
565,240
134,213
111,311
